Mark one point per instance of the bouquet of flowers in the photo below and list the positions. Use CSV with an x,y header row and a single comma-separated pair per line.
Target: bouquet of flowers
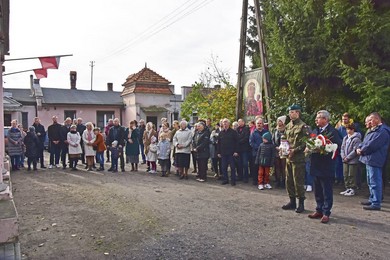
x,y
320,144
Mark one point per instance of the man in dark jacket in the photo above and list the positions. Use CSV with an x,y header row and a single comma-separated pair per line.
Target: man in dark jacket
x,y
373,153
53,132
227,150
41,133
65,129
117,133
322,168
243,150
80,127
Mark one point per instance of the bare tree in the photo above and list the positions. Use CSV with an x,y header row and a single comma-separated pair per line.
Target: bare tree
x,y
214,74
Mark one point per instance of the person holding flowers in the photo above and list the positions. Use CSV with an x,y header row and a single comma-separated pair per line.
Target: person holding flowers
x,y
327,143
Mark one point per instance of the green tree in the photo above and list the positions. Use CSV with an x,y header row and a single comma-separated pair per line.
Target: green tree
x,y
193,102
333,54
214,103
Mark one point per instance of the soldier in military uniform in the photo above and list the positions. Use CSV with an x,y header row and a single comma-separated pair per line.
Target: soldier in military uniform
x,y
296,129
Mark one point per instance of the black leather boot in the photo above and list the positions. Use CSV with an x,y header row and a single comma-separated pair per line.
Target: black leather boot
x,y
301,206
291,205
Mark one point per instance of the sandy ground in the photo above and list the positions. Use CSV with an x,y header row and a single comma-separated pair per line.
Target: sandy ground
x,y
101,215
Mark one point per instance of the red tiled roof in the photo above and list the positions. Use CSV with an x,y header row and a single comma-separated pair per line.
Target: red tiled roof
x,y
146,81
147,88
146,75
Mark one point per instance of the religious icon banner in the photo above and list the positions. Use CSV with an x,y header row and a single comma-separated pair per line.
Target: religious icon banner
x,y
253,94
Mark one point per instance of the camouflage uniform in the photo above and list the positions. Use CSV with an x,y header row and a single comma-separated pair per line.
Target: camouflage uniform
x,y
295,166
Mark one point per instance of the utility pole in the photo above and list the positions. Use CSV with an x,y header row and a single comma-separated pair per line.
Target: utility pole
x,y
92,64
241,59
263,58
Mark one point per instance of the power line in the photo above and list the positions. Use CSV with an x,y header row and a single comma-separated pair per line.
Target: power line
x,y
162,24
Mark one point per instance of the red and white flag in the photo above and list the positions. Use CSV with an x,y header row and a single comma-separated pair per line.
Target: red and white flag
x,y
40,73
50,62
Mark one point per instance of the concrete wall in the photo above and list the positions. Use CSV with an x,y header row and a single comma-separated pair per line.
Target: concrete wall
x,y
147,100
88,114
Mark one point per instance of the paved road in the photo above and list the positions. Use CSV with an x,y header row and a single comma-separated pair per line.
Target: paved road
x,y
94,215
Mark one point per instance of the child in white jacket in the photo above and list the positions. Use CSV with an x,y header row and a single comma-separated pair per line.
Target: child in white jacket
x,y
152,154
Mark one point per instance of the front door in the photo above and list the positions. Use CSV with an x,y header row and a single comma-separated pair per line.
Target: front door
x,y
152,119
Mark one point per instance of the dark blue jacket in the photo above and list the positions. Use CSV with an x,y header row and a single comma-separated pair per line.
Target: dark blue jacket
x,y
42,133
323,165
116,133
375,146
243,138
227,142
255,139
266,155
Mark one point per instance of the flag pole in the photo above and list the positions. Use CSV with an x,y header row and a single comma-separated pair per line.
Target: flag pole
x,y
17,72
30,58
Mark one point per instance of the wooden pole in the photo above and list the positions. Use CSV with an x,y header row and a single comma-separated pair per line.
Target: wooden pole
x,y
263,58
241,59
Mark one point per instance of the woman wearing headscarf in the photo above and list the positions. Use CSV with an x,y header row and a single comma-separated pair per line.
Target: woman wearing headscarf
x,y
280,161
73,137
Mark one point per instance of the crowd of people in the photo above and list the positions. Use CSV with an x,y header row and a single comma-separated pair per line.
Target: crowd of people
x,y
251,152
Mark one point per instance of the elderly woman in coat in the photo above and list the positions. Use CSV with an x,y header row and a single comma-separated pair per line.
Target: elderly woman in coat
x,y
15,145
88,140
132,145
182,142
32,144
73,137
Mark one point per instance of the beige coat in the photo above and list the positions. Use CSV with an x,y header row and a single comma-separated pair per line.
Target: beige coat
x,y
88,149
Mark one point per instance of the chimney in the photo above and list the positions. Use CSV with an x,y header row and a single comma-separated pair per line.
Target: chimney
x,y
73,79
109,86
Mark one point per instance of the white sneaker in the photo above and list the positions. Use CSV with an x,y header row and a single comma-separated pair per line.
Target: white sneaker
x,y
57,166
351,192
309,188
260,187
343,192
268,186
50,166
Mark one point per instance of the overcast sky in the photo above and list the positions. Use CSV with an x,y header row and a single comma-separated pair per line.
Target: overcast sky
x,y
171,36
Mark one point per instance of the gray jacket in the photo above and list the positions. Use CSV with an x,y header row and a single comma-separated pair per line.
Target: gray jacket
x,y
348,148
164,150
184,138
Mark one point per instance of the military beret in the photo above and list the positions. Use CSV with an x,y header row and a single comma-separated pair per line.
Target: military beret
x,y
294,107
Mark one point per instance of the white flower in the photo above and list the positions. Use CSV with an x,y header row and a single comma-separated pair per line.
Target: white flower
x,y
329,148
317,143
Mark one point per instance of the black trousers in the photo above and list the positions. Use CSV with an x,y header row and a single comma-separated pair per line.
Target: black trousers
x,y
64,152
202,168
